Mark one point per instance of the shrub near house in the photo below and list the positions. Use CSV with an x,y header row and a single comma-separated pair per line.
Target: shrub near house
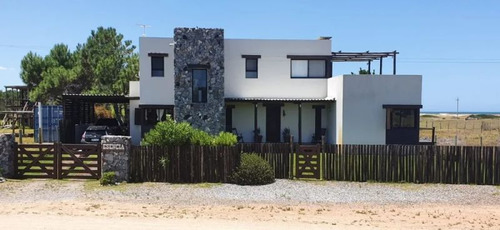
x,y
253,170
171,133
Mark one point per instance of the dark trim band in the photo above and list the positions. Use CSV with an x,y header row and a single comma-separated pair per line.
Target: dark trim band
x,y
158,54
309,57
156,106
399,106
250,56
198,66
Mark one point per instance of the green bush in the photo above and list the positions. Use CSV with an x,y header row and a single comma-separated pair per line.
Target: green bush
x,y
199,137
253,170
225,139
108,178
171,133
168,133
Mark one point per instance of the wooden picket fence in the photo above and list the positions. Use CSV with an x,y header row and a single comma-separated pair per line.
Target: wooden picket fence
x,y
412,163
381,163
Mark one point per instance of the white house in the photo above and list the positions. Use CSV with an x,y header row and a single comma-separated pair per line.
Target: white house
x,y
243,85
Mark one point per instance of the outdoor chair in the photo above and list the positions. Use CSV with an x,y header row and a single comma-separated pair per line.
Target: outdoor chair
x,y
239,136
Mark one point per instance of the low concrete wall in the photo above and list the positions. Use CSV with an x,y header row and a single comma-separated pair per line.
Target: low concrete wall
x,y
115,156
7,155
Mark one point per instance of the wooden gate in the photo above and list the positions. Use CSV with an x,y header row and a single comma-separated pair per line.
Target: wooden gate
x,y
36,161
58,161
307,162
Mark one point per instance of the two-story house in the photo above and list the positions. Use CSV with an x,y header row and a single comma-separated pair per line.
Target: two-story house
x,y
220,84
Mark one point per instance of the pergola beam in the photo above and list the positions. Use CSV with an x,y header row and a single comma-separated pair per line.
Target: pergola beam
x,y
365,57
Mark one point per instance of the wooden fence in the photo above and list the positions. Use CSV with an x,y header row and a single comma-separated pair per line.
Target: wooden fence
x,y
382,163
416,164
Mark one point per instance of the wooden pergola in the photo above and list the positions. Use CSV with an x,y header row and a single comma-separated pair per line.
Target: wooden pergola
x,y
367,56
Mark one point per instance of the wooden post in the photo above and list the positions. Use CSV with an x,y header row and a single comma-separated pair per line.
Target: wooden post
x,y
322,143
394,63
300,122
291,159
20,136
380,68
255,125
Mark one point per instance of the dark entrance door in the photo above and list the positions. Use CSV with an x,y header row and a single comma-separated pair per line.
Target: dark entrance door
x,y
273,123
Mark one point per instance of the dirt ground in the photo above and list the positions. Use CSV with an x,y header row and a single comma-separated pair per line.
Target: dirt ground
x,y
107,215
49,208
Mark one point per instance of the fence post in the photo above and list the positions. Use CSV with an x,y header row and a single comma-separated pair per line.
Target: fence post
x,y
57,161
291,159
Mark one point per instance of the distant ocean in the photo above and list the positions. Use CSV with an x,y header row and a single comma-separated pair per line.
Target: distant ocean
x,y
441,112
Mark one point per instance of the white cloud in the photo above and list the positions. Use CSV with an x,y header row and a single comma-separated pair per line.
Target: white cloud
x,y
3,68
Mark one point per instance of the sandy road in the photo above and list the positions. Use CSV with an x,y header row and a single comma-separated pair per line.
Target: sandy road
x,y
82,205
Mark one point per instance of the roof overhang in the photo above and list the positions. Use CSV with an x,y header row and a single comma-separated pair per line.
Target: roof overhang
x,y
255,99
400,106
97,98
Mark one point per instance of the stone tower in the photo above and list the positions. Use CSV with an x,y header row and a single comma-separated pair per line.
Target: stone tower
x,y
199,52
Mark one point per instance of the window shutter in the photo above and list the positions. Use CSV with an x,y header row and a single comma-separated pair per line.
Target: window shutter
x,y
138,116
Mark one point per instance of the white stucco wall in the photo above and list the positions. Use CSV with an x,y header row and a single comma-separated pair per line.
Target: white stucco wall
x,y
156,90
135,130
134,92
273,68
361,119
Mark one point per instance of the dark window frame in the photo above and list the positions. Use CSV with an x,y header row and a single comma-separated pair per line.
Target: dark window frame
x,y
205,98
256,71
141,114
396,113
327,72
153,69
247,70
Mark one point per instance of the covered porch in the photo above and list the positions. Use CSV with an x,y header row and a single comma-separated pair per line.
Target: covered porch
x,y
274,120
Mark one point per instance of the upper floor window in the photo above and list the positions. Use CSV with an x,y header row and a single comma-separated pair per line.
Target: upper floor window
x,y
199,85
308,68
157,66
251,68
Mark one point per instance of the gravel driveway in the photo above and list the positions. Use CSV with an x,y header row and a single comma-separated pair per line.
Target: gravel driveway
x,y
280,192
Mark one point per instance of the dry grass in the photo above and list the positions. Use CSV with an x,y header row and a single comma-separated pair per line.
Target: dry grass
x,y
26,140
478,132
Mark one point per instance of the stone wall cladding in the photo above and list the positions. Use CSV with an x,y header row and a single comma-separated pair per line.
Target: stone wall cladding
x,y
7,146
197,46
115,156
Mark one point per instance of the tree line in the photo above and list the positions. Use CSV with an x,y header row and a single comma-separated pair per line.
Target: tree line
x,y
104,64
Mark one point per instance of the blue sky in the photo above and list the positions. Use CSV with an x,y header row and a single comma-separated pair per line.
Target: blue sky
x,y
455,45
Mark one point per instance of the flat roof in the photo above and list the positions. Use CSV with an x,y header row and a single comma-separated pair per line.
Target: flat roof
x,y
99,98
256,99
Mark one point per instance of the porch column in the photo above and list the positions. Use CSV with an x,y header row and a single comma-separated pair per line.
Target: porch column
x,y
380,68
394,63
255,125
300,122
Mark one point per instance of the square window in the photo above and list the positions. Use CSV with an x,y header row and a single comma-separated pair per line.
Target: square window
x,y
403,118
317,68
157,67
251,68
299,68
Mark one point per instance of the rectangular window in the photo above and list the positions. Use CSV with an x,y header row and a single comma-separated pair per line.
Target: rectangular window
x,y
157,67
308,68
151,116
199,85
251,68
402,118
